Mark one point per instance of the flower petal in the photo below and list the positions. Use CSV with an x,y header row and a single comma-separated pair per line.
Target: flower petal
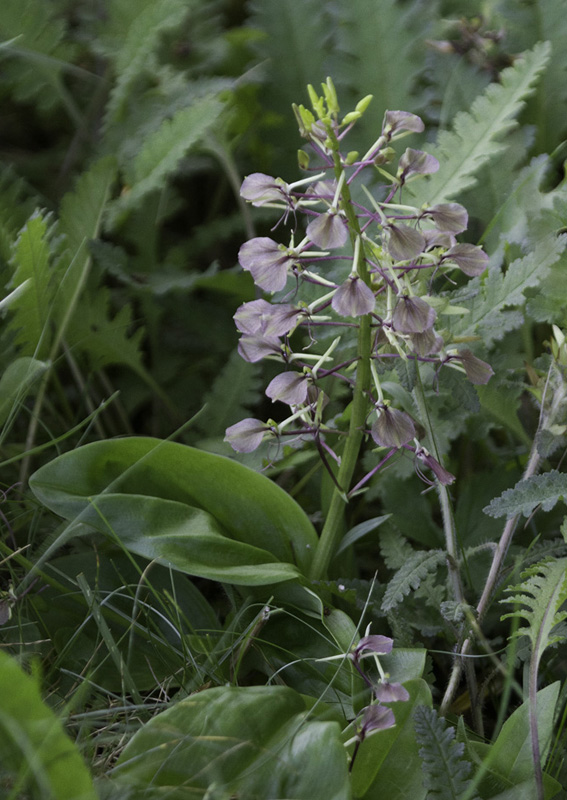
x,y
413,315
393,428
269,319
246,435
478,371
405,243
353,298
470,259
289,387
327,231
449,217
267,261
259,188
255,347
401,121
416,162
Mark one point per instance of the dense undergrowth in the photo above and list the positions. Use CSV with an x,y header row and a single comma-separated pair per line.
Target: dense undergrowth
x,y
321,552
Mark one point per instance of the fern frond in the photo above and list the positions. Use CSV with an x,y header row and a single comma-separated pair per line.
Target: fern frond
x,y
410,576
445,770
542,593
476,135
544,490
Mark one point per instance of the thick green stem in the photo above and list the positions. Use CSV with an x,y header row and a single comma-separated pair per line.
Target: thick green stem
x,y
330,534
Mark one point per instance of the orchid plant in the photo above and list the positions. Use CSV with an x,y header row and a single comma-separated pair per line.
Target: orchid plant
x,y
368,271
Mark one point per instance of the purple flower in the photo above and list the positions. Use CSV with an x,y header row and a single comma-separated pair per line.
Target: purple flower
x,y
443,476
259,189
375,718
261,317
478,371
353,298
289,387
393,428
373,643
246,435
267,261
401,121
435,238
413,315
327,231
449,217
387,692
416,162
254,348
470,259
405,243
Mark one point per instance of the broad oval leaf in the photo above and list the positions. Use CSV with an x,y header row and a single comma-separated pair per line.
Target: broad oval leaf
x,y
230,741
211,513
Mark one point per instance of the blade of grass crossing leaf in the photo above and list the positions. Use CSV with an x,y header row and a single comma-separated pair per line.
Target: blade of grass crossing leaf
x,y
108,638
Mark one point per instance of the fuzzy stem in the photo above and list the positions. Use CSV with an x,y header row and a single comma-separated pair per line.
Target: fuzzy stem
x,y
332,528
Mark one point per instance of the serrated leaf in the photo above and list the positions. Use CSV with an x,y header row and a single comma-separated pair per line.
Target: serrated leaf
x,y
445,770
31,309
140,41
410,576
475,137
164,149
545,490
490,315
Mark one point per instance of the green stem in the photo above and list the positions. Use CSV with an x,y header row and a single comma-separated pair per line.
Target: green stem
x,y
331,532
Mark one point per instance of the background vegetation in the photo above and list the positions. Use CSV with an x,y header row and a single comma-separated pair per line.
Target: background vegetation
x,y
126,130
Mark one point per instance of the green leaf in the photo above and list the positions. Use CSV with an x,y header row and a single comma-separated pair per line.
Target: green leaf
x,y
445,770
164,149
475,137
543,592
510,756
238,505
361,530
33,743
545,490
16,381
254,742
137,47
493,295
80,221
410,576
388,762
30,310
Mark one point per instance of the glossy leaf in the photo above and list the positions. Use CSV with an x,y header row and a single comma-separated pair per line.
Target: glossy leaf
x,y
33,742
205,514
388,764
246,742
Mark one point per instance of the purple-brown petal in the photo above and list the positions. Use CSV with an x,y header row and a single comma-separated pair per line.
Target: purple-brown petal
x,y
353,298
327,231
478,371
289,387
417,162
449,217
470,259
401,121
413,315
405,243
392,428
246,435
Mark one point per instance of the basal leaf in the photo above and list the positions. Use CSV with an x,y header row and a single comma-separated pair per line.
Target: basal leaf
x,y
545,490
253,742
33,742
246,505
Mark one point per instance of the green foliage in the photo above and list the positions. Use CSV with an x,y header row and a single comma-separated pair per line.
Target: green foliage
x,y
37,755
475,138
541,596
446,772
410,576
545,490
257,742
197,514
